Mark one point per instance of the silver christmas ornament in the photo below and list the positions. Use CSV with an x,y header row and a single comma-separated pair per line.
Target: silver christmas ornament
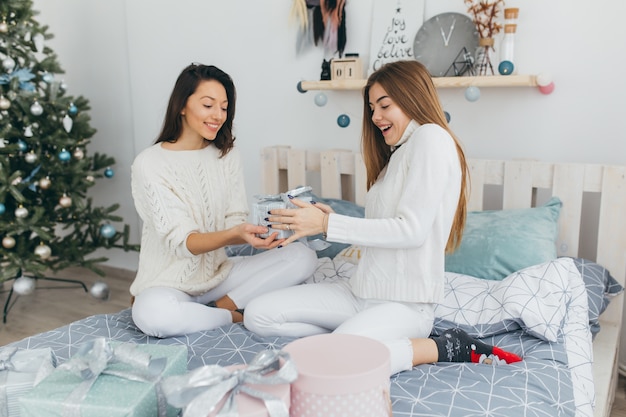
x,y
67,123
21,212
36,109
8,63
4,27
65,201
28,131
38,40
78,153
43,251
45,183
100,290
90,178
8,242
31,157
5,103
24,285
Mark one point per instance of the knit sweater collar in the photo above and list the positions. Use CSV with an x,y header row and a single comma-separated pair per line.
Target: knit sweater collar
x,y
410,128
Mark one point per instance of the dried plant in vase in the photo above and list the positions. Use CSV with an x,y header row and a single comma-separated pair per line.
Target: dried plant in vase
x,y
485,16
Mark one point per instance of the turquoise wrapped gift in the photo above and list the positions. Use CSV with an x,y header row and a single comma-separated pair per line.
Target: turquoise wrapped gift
x,y
20,371
108,379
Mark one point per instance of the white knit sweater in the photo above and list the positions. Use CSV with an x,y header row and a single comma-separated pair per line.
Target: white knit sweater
x,y
413,203
177,193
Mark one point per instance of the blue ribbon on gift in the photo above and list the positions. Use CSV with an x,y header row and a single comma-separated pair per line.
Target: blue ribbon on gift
x,y
92,360
200,391
24,75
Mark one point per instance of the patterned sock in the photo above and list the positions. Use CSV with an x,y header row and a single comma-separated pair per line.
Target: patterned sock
x,y
455,345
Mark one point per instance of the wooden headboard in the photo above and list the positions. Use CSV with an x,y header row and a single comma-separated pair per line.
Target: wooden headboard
x,y
518,184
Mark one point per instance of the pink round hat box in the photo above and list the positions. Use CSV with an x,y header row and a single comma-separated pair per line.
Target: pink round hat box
x,y
340,375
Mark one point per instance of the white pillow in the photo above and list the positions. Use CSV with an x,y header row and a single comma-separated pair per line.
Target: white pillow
x,y
535,299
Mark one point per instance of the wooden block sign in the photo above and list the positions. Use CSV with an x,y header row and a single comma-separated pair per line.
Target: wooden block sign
x,y
348,68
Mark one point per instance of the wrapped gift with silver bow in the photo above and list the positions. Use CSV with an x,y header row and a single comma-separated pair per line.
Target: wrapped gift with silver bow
x,y
108,379
265,203
259,389
20,371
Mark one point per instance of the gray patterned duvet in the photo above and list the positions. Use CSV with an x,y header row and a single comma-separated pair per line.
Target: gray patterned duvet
x,y
554,379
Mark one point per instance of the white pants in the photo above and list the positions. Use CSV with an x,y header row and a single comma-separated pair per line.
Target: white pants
x,y
311,309
166,312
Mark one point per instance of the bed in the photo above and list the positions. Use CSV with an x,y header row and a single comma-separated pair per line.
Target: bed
x,y
561,311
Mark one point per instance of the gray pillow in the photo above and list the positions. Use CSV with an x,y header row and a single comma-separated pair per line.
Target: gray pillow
x,y
601,287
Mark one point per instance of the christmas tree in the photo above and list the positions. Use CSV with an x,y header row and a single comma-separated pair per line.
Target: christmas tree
x,y
47,220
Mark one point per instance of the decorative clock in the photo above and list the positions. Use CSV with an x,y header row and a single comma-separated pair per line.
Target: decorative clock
x,y
446,43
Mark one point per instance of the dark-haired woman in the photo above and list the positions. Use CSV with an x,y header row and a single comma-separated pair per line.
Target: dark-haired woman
x,y
188,188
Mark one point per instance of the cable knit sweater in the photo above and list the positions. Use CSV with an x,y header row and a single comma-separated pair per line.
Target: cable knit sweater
x,y
177,193
413,201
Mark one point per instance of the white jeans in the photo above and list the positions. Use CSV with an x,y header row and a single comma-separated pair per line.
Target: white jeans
x,y
309,309
166,312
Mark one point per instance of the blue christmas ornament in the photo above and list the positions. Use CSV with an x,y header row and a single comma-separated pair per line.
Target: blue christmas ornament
x,y
107,231
506,68
47,77
3,208
343,120
472,93
108,173
299,87
22,145
72,110
447,116
321,99
64,155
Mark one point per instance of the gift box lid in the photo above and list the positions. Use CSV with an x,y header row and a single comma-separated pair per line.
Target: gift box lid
x,y
339,363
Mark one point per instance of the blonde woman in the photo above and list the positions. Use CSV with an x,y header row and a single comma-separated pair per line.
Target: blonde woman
x,y
415,212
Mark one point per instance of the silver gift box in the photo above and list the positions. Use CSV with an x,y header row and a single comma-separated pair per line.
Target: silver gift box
x,y
265,203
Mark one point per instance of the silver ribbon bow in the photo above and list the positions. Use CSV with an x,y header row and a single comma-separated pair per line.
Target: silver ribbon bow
x,y
5,359
200,391
92,360
284,196
5,366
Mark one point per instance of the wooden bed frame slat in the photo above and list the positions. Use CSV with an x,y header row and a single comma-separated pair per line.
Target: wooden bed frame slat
x,y
518,185
343,176
568,185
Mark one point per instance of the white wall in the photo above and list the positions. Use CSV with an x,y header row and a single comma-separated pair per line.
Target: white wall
x,y
125,55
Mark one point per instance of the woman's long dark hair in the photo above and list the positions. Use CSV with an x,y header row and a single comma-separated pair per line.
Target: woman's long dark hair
x,y
185,86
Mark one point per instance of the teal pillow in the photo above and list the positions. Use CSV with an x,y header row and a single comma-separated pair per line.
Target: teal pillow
x,y
497,243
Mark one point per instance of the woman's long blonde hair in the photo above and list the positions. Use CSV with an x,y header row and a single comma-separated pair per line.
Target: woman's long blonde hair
x,y
409,84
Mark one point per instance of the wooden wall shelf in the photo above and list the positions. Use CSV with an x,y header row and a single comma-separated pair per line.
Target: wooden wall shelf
x,y
441,82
